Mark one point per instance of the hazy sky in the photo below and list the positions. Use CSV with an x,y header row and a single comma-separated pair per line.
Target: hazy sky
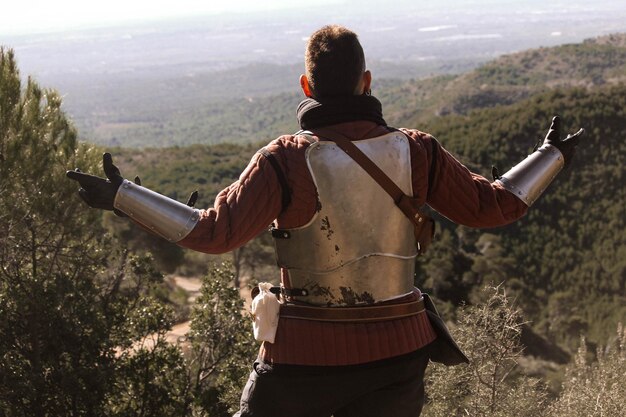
x,y
32,16
36,16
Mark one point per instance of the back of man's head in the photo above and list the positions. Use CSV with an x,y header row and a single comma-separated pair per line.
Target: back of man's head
x,y
334,61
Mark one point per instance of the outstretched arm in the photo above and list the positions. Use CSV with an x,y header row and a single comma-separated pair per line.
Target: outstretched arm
x,y
241,211
528,179
159,214
471,200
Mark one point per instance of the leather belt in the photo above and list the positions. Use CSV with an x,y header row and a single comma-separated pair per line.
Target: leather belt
x,y
352,314
278,291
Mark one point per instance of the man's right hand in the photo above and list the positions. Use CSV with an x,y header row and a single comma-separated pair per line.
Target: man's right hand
x,y
99,192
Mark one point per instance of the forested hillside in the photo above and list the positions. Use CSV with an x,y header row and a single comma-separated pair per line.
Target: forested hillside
x,y
572,244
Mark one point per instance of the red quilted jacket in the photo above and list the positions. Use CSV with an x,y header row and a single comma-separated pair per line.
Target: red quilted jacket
x,y
248,206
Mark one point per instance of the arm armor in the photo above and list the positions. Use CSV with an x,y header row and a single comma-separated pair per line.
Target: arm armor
x,y
166,217
528,179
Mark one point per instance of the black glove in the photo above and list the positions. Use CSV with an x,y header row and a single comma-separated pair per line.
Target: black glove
x,y
568,145
99,192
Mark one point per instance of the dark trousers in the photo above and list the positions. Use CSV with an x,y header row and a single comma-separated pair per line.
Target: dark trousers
x,y
392,387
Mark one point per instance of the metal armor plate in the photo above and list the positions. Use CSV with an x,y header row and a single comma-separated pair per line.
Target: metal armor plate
x,y
359,248
529,179
163,215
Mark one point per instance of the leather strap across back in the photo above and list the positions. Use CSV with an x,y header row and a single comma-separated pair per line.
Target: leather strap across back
x,y
403,201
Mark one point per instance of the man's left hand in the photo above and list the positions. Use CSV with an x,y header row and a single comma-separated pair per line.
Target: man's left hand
x,y
568,145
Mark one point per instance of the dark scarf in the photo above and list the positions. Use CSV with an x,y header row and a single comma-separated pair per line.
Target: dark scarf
x,y
327,111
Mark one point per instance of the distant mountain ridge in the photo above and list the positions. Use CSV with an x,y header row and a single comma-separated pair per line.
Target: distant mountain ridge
x,y
170,121
512,78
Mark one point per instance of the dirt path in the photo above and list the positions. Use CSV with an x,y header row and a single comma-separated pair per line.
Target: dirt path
x,y
177,333
192,286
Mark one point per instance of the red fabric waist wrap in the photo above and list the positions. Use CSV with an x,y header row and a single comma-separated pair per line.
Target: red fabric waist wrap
x,y
316,343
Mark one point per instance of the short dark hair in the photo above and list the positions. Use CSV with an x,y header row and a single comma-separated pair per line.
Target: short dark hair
x,y
334,61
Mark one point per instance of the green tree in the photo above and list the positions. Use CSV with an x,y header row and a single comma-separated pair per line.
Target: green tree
x,y
73,304
441,271
51,356
150,375
222,345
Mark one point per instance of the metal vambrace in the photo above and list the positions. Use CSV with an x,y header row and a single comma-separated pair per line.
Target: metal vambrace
x,y
528,179
164,216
